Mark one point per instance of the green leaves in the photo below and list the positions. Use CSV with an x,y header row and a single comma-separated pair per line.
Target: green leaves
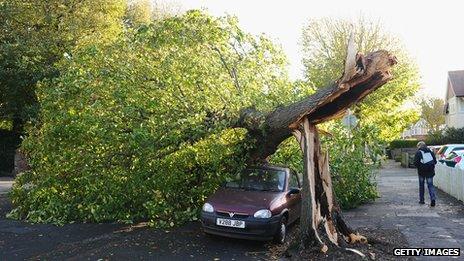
x,y
35,36
432,112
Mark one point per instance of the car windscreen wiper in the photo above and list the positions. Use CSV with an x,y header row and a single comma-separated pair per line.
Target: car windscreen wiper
x,y
252,189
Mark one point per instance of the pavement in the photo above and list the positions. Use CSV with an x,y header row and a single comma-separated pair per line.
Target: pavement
x,y
397,208
5,184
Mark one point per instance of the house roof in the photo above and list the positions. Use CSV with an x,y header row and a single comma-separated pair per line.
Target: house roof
x,y
456,82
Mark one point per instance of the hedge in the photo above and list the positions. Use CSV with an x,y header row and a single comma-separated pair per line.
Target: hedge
x,y
446,136
399,144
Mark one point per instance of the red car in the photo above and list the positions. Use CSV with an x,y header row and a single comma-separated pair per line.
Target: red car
x,y
258,204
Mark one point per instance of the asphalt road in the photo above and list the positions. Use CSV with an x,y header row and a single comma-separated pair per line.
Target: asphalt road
x,y
20,241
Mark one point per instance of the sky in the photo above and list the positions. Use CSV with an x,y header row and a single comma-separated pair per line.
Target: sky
x,y
431,31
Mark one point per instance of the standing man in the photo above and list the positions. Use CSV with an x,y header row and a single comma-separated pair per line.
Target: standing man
x,y
425,162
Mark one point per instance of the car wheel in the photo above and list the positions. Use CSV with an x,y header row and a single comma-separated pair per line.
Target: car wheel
x,y
281,234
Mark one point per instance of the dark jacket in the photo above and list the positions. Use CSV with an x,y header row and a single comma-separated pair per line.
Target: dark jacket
x,y
428,169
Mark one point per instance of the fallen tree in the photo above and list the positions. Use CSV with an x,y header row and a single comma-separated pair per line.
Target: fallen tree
x,y
148,127
321,219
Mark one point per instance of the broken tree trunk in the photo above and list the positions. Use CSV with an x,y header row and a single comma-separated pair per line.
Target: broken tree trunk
x,y
321,219
321,213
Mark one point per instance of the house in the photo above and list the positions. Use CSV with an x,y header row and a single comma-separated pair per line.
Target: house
x,y
417,131
454,103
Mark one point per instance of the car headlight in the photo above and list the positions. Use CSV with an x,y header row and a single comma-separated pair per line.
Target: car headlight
x,y
208,208
263,213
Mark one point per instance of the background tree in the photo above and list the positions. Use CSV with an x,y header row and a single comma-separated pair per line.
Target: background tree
x,y
432,112
143,12
138,12
323,41
36,35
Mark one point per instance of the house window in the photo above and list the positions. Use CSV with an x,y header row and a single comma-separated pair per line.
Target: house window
x,y
461,104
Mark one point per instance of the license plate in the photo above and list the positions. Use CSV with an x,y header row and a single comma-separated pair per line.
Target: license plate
x,y
230,223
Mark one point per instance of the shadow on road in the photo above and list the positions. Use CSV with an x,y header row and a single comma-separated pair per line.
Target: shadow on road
x,y
19,240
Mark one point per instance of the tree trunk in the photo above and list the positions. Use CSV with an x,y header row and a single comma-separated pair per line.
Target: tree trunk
x,y
321,220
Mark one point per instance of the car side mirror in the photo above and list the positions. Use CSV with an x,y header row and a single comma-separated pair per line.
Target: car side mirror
x,y
293,191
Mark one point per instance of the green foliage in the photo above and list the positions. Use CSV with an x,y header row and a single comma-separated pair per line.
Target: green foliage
x,y
446,136
353,160
6,125
143,12
324,46
400,144
138,129
352,176
432,112
35,35
139,12
289,154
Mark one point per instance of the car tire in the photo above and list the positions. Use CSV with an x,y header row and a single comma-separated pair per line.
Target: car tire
x,y
281,234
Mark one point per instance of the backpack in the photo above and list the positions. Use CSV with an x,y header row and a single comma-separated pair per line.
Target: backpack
x,y
427,158
427,164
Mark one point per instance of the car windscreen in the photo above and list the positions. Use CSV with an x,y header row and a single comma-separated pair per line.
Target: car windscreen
x,y
457,148
258,179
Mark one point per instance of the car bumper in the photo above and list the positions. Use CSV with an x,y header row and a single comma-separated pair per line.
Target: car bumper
x,y
255,229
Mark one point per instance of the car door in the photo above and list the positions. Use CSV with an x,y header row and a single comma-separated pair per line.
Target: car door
x,y
294,200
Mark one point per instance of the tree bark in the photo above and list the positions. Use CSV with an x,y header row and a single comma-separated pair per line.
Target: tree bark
x,y
321,219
